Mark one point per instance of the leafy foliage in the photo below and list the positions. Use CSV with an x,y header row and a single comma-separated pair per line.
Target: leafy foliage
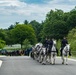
x,y
71,21
2,34
26,22
37,27
22,32
2,44
72,40
54,25
26,44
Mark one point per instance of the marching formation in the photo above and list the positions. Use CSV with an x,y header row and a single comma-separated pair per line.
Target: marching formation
x,y
48,52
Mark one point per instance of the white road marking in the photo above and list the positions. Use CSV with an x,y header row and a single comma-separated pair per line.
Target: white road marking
x,y
0,63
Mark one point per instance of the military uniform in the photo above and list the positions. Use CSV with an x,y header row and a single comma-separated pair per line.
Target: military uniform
x,y
63,44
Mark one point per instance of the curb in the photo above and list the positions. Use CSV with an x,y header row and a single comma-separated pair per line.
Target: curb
x,y
71,59
2,56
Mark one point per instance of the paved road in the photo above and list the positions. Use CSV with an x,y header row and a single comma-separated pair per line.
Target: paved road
x,y
27,66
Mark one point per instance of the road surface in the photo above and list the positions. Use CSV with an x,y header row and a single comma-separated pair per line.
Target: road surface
x,y
23,65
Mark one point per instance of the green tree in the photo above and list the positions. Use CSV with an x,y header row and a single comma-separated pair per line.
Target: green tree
x,y
56,30
2,44
16,23
60,29
37,27
2,34
54,15
10,27
71,21
55,25
8,37
72,40
26,44
26,22
65,16
22,32
73,11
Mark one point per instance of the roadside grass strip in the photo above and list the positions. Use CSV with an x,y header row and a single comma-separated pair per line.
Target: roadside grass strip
x,y
0,63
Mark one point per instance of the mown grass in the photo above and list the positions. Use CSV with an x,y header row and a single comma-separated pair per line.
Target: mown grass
x,y
13,47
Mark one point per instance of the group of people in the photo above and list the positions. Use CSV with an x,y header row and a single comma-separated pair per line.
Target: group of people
x,y
48,43
48,51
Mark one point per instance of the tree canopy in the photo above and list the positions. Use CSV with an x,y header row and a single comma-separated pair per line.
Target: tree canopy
x,y
22,32
2,44
37,27
56,25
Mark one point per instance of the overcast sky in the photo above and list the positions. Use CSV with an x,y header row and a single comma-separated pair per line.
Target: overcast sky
x,y
12,11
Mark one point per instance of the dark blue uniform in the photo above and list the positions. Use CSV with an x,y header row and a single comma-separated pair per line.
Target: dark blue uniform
x,y
63,44
50,44
46,43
